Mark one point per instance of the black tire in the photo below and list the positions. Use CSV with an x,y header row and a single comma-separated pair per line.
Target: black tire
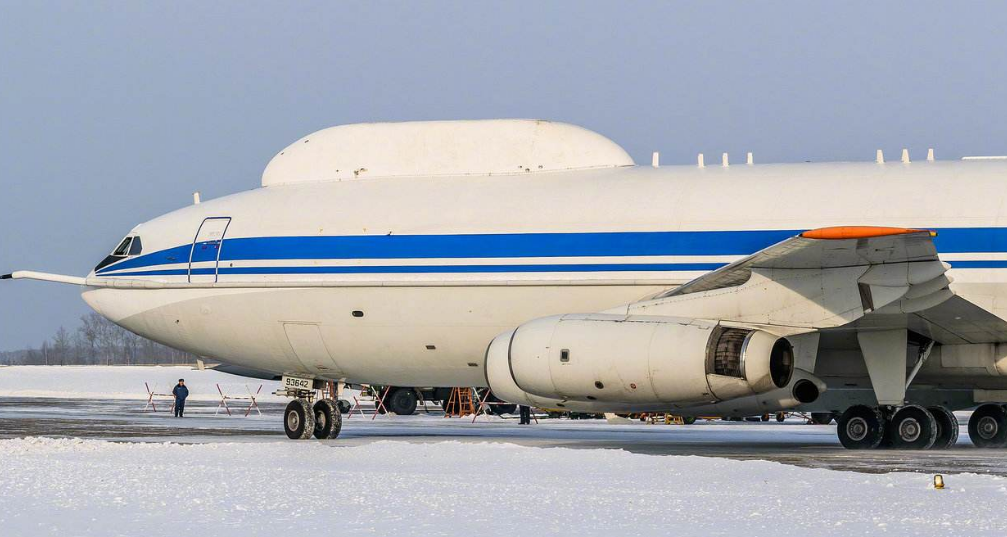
x,y
441,395
947,427
822,418
988,427
765,417
500,410
689,420
781,417
861,427
344,406
912,427
298,420
328,420
401,401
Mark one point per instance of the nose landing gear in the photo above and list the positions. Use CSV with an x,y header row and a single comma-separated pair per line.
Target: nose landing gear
x,y
299,420
302,419
328,419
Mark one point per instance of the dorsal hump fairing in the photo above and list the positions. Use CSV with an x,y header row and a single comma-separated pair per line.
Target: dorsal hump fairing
x,y
442,148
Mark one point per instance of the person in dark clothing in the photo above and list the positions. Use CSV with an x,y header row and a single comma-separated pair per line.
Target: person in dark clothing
x,y
525,415
180,392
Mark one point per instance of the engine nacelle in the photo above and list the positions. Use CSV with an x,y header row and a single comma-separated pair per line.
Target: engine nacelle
x,y
634,360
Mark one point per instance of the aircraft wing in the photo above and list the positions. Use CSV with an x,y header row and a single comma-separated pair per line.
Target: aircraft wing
x,y
836,278
823,249
955,321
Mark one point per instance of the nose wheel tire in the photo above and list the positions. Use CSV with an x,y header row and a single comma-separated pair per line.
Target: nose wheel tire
x,y
988,427
912,427
947,427
861,427
298,420
328,420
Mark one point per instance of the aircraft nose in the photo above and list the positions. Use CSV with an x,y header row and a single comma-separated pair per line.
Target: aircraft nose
x,y
91,297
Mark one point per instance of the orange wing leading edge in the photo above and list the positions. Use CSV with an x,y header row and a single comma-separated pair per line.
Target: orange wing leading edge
x,y
860,232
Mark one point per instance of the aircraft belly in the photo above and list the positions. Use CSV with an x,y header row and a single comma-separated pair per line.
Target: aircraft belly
x,y
413,336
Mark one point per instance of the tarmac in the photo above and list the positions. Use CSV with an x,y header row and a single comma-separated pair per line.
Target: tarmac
x,y
792,442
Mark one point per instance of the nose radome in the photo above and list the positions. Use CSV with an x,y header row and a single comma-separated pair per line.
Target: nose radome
x,y
92,299
124,306
112,304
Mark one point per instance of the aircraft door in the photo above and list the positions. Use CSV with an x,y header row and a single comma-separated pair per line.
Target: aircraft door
x,y
205,253
306,341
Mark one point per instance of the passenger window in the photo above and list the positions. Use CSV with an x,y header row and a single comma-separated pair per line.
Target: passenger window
x,y
123,248
136,247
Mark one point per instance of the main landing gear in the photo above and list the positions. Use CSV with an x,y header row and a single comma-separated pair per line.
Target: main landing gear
x,y
302,420
908,427
988,426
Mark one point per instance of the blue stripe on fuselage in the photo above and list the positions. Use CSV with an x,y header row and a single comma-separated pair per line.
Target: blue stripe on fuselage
x,y
503,245
604,244
475,246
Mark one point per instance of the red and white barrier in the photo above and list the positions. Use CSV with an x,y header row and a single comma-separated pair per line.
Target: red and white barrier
x,y
152,396
379,404
252,403
485,403
252,398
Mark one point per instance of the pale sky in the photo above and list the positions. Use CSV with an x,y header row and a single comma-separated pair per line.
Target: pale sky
x,y
114,113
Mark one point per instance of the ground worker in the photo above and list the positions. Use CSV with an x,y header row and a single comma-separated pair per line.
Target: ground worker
x,y
525,414
180,392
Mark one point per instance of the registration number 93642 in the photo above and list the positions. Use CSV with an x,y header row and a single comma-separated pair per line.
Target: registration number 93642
x,y
296,383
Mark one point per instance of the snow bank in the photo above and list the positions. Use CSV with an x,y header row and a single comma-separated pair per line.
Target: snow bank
x,y
123,382
86,487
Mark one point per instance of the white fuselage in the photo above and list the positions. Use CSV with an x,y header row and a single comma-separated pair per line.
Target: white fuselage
x,y
406,280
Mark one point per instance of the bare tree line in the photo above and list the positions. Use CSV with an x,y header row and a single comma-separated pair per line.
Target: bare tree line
x,y
97,341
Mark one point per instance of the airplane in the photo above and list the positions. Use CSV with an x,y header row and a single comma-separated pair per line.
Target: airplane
x,y
536,259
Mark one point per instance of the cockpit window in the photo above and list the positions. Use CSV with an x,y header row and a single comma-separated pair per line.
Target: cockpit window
x,y
123,247
128,247
136,247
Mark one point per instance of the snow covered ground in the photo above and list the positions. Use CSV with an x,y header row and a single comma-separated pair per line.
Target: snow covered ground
x,y
124,382
93,487
427,475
